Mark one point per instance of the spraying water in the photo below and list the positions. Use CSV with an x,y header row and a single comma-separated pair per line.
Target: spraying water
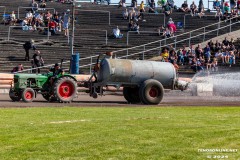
x,y
223,84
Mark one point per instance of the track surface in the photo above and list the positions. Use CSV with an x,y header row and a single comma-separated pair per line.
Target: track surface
x,y
83,100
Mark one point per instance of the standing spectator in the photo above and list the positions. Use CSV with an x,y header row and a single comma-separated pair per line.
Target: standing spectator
x,y
231,58
66,20
141,11
52,27
201,9
37,61
238,6
27,46
171,3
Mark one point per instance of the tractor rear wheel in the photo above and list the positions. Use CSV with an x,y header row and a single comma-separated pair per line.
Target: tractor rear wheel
x,y
131,94
15,96
151,92
65,89
28,94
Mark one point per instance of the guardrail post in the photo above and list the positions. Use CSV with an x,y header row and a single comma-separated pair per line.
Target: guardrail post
x,y
127,38
48,34
165,40
184,20
175,43
160,44
109,23
9,30
230,25
164,21
143,52
18,12
127,54
91,65
204,34
190,35
106,38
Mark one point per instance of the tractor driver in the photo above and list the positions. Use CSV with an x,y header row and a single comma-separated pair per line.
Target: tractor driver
x,y
56,71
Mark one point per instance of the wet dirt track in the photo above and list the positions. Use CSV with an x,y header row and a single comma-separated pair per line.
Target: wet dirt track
x,y
83,100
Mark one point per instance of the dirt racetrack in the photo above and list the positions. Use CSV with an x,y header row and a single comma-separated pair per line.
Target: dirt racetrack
x,y
170,99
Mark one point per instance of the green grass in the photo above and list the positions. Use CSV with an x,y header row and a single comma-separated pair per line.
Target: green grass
x,y
118,133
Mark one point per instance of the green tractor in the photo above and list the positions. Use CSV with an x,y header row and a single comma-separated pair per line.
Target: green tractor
x,y
26,87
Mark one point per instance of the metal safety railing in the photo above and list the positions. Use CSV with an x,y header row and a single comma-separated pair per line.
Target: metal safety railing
x,y
218,24
21,27
100,11
98,30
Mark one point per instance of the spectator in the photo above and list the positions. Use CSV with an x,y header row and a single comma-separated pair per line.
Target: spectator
x,y
162,2
201,10
165,55
117,33
171,3
226,7
43,4
141,12
37,61
18,68
13,19
66,20
161,30
238,6
233,4
34,6
184,7
218,14
180,56
27,46
152,4
52,27
225,42
216,5
125,14
167,10
231,58
134,3
193,8
132,14
56,70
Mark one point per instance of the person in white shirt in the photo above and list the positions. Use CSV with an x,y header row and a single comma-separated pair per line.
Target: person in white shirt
x,y
117,33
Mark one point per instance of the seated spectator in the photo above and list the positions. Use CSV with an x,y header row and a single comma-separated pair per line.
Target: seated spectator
x,y
165,54
58,20
214,64
52,27
233,4
132,14
161,30
218,14
125,14
226,7
201,10
193,8
134,3
117,33
184,7
43,4
162,2
197,65
136,27
170,21
180,56
216,5
167,10
13,19
18,68
29,17
34,7
171,3
151,10
225,16
152,4
238,6
168,33
225,42
231,58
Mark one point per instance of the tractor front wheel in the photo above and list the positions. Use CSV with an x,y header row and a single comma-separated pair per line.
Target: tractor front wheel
x,y
65,89
15,96
28,94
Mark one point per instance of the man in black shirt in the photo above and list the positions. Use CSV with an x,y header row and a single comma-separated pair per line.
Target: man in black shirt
x,y
37,61
56,71
27,46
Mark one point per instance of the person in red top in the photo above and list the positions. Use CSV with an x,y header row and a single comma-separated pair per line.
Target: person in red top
x,y
52,27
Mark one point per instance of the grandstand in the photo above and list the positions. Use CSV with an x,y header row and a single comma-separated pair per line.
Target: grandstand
x,y
94,24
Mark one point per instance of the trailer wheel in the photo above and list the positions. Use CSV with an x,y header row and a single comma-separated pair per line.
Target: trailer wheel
x,y
28,94
131,94
65,89
15,96
151,92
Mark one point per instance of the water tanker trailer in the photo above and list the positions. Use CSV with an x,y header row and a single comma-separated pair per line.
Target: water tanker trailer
x,y
142,81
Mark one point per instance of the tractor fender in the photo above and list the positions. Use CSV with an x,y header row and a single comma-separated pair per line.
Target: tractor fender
x,y
69,76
